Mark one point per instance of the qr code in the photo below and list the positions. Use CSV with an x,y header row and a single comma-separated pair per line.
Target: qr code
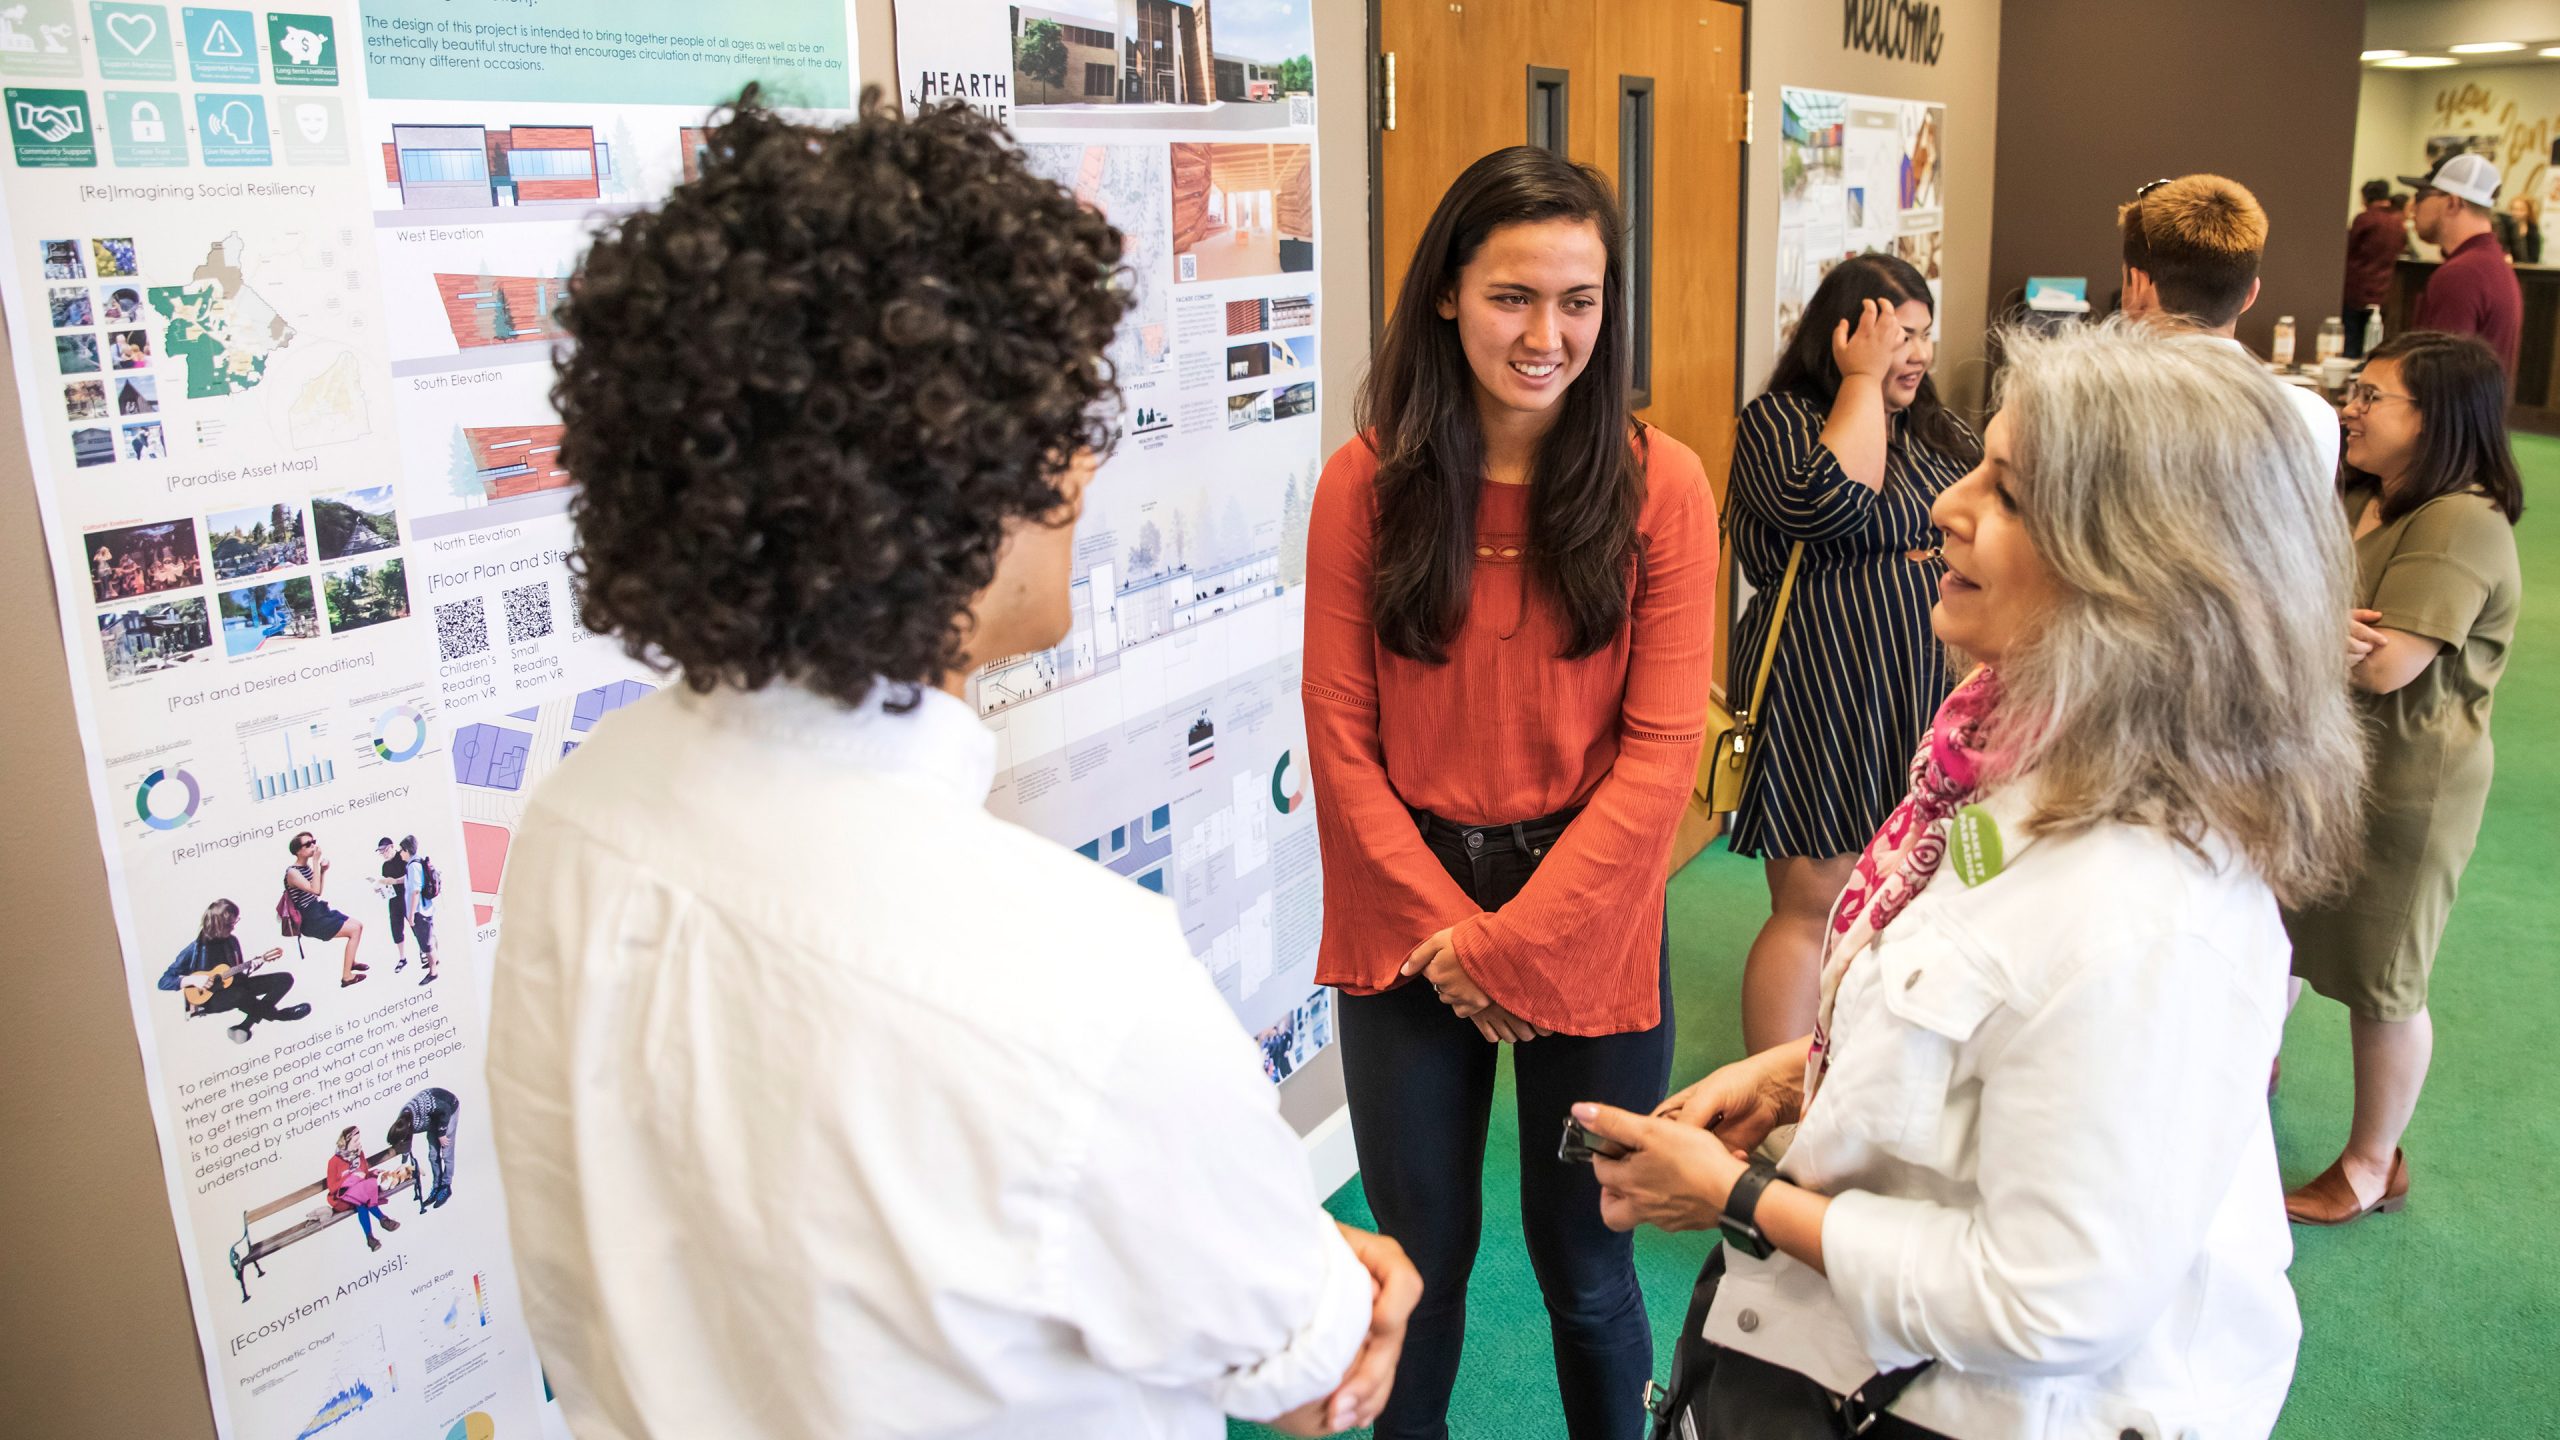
x,y
1186,268
1302,110
528,612
462,628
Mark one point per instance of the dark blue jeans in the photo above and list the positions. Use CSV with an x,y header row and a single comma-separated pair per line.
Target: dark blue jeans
x,y
1421,1084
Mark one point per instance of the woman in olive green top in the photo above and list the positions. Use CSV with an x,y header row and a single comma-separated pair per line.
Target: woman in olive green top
x,y
2433,494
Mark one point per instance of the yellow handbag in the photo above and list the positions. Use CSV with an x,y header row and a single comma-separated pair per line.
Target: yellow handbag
x,y
1725,763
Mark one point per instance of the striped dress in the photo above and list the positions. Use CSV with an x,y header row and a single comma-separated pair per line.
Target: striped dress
x,y
1858,672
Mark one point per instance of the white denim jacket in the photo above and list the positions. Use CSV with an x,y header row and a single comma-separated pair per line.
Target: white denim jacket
x,y
2045,1134
831,1106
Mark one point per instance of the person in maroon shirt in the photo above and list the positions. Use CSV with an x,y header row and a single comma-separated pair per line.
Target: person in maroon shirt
x,y
2374,241
2474,292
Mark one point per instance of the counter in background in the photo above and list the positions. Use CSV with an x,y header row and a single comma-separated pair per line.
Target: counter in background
x,y
2535,404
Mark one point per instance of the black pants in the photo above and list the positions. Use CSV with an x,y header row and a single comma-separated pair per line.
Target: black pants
x,y
1420,1084
444,1117
254,996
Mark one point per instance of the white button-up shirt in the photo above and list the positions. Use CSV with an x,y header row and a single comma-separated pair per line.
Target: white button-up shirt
x,y
831,1106
2319,417
2045,1131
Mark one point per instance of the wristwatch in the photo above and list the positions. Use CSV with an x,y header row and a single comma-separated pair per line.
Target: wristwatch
x,y
1741,1227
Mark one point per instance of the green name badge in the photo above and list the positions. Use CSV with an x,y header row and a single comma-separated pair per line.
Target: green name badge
x,y
1973,842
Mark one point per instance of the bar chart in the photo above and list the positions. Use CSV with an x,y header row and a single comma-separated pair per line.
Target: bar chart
x,y
288,758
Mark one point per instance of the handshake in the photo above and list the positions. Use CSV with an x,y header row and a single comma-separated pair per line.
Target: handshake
x,y
52,124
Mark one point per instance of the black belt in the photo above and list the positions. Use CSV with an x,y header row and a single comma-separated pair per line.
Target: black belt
x,y
1529,837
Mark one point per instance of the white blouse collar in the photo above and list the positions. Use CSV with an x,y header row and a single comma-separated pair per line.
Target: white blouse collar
x,y
940,739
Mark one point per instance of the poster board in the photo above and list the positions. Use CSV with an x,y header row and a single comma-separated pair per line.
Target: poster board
x,y
1163,739
281,287
1858,175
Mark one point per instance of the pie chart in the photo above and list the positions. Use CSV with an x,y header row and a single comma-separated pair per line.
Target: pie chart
x,y
399,734
1288,787
157,804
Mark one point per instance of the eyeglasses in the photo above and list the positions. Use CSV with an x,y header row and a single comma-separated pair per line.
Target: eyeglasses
x,y
2361,396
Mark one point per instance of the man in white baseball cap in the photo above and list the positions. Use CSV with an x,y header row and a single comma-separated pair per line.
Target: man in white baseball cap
x,y
2474,292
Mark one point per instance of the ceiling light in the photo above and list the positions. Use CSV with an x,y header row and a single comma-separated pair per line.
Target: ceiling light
x,y
2488,47
2550,52
2417,62
2372,55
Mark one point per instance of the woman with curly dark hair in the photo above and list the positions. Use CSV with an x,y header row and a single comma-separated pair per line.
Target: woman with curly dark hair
x,y
846,1105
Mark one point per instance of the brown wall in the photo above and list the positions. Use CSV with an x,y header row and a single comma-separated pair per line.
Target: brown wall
x,y
2096,99
1798,43
91,1298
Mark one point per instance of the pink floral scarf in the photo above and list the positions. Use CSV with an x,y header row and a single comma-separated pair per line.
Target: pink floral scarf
x,y
1905,854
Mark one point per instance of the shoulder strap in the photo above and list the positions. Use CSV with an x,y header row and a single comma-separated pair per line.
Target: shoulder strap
x,y
1777,622
1861,1408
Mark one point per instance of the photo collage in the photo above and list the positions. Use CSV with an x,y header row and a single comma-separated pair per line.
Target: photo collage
x,y
1277,372
102,350
283,576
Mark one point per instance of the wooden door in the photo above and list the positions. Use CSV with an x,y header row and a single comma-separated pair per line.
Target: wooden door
x,y
1650,92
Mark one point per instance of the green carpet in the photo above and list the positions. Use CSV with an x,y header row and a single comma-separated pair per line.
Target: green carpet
x,y
2443,1320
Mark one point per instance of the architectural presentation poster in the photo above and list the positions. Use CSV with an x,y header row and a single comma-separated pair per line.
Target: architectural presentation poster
x,y
1857,176
1164,739
280,288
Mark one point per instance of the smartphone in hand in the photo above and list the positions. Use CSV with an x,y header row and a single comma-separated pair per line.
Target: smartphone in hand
x,y
1580,1146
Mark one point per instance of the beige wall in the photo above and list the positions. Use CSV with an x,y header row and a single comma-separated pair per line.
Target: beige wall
x,y
2386,105
2399,109
2434,24
100,1341
2520,104
92,1302
1800,45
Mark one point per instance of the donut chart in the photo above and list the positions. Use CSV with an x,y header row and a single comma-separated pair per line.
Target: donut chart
x,y
1288,788
399,733
152,815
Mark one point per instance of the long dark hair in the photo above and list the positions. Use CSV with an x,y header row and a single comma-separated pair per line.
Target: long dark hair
x,y
1418,407
219,918
1805,368
2461,394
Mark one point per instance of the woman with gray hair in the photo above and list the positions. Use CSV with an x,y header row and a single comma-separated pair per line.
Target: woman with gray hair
x,y
2032,1187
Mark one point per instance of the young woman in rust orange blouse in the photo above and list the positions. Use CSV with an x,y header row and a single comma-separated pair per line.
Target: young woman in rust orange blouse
x,y
1510,597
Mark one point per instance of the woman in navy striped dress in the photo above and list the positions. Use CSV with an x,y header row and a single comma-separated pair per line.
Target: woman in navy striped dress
x,y
1845,451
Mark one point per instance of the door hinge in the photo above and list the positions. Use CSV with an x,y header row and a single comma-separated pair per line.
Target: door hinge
x,y
1743,126
1387,91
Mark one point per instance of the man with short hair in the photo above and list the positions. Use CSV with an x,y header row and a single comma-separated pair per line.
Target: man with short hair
x,y
394,889
2191,249
421,897
2474,292
2374,241
830,1104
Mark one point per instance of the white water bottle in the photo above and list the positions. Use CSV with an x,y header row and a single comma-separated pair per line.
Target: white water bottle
x,y
2283,350
2372,328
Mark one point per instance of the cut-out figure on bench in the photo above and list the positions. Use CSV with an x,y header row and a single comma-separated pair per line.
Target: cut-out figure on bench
x,y
432,1113
354,1186
215,977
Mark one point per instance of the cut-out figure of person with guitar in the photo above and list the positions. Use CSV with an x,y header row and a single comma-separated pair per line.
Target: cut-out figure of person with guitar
x,y
216,977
